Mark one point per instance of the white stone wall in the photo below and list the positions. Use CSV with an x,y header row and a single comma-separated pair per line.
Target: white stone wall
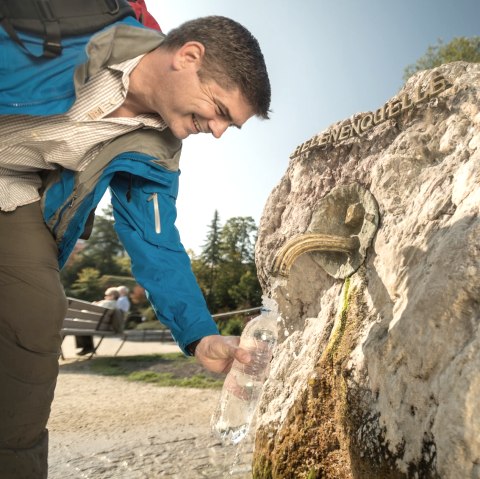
x,y
418,352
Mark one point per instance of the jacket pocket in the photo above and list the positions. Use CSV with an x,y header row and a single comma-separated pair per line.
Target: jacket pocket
x,y
156,212
159,216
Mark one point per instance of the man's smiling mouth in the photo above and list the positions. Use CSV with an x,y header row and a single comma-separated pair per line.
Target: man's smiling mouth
x,y
196,124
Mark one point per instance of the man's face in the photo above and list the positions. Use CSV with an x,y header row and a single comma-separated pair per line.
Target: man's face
x,y
204,107
188,104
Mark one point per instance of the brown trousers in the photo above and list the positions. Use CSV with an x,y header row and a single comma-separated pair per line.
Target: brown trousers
x,y
32,307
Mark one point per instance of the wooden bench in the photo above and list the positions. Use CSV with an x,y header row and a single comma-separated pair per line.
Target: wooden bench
x,y
88,319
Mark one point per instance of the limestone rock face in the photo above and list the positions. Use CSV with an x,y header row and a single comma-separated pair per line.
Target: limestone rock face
x,y
377,375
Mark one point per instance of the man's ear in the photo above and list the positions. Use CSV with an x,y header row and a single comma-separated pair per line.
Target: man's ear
x,y
189,55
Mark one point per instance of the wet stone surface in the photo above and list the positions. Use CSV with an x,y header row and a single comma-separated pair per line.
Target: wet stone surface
x,y
188,457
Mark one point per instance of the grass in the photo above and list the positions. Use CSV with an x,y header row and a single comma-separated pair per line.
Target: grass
x,y
167,379
166,370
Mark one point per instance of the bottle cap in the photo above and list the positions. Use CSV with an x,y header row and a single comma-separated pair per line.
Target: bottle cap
x,y
269,305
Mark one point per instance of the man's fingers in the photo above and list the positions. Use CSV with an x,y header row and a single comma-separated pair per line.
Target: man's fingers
x,y
242,355
222,347
235,351
216,353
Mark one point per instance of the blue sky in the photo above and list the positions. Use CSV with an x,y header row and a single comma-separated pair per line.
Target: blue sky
x,y
327,60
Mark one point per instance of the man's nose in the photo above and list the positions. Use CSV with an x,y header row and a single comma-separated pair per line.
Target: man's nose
x,y
218,127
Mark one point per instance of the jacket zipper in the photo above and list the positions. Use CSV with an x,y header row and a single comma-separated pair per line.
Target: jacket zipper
x,y
156,211
41,102
62,211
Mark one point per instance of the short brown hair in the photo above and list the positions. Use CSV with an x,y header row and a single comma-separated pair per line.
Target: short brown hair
x,y
232,57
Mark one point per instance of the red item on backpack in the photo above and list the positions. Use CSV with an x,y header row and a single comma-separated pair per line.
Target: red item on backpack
x,y
143,15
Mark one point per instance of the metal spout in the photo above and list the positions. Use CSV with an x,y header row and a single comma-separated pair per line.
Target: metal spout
x,y
341,230
305,243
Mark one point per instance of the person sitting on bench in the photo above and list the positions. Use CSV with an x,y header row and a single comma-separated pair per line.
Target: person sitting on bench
x,y
86,342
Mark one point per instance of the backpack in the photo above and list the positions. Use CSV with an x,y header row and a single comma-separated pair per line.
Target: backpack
x,y
54,19
142,14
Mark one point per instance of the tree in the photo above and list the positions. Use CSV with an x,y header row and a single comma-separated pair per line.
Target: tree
x,y
247,292
102,253
459,49
87,286
225,269
210,259
237,241
104,249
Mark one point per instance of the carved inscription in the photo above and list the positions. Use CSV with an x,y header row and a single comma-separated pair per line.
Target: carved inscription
x,y
359,125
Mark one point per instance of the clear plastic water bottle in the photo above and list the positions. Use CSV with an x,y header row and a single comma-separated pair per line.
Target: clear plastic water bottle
x,y
243,384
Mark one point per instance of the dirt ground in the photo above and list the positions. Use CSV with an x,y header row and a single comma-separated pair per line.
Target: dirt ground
x,y
107,427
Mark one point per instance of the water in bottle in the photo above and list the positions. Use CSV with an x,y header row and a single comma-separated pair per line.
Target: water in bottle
x,y
243,384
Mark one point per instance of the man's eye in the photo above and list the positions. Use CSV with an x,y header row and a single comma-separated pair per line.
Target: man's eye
x,y
220,111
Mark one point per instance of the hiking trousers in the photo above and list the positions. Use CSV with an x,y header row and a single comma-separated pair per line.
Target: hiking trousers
x,y
32,308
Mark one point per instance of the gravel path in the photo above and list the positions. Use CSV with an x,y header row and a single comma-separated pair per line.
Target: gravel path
x,y
106,427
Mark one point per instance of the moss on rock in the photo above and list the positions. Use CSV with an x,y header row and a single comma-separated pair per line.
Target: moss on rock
x,y
321,434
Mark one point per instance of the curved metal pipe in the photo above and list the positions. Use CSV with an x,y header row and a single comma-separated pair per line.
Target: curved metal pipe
x,y
304,243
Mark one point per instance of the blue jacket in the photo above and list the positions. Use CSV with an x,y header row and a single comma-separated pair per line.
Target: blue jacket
x,y
140,168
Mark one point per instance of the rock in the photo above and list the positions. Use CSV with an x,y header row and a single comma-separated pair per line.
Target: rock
x,y
376,375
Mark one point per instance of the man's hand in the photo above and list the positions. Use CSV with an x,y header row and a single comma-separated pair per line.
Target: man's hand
x,y
216,353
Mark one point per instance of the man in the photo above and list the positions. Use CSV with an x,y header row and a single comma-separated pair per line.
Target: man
x,y
123,303
109,111
110,301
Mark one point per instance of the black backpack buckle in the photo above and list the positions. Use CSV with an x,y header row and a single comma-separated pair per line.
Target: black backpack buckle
x,y
113,6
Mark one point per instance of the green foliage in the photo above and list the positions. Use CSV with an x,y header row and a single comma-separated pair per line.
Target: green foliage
x,y
150,325
210,259
168,379
238,239
459,49
104,248
232,327
339,330
225,269
247,291
97,262
87,286
211,249
175,373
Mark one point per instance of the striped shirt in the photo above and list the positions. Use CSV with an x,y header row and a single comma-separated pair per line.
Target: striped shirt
x,y
30,144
